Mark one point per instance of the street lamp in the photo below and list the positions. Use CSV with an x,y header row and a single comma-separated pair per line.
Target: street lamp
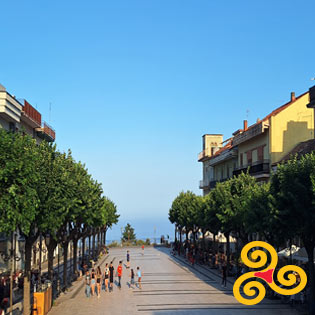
x,y
39,249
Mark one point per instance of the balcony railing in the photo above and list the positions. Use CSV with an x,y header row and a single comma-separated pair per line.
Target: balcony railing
x,y
203,184
210,184
255,169
49,131
252,132
204,154
30,112
46,132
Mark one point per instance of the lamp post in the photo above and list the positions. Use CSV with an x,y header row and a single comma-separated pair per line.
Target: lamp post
x,y
39,249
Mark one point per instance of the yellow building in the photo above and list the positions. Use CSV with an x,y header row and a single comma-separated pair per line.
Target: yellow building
x,y
260,146
266,142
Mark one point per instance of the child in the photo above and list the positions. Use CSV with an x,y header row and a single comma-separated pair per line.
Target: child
x,y
139,278
132,278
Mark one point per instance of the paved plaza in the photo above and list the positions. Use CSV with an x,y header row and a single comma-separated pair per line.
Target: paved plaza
x,y
169,286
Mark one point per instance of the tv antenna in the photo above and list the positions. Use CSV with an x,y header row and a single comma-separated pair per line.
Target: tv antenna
x,y
50,112
247,113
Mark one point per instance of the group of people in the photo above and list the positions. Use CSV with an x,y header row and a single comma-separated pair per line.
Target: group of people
x,y
96,280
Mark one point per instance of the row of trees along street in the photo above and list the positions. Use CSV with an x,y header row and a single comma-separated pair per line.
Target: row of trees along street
x,y
278,211
46,192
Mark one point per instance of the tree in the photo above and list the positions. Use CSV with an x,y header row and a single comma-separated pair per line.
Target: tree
x,y
19,203
293,187
212,222
128,234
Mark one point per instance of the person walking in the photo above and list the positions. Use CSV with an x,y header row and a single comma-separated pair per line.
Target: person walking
x,y
119,273
93,282
87,284
224,272
142,249
128,259
98,280
106,275
132,278
111,276
139,277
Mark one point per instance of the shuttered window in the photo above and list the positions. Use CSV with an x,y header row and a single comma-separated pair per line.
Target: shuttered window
x,y
249,157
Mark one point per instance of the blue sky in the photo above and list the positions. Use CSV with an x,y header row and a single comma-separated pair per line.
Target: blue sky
x,y
135,84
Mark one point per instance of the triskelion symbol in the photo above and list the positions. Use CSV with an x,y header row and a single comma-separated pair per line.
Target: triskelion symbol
x,y
296,278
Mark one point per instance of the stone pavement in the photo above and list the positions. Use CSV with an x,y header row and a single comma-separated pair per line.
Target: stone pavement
x,y
169,287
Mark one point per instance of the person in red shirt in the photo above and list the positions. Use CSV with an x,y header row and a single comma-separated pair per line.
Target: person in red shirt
x,y
119,273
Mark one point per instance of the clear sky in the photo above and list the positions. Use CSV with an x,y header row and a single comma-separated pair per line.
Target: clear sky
x,y
134,84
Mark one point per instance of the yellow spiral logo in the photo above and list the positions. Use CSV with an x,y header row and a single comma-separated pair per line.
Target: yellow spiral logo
x,y
255,291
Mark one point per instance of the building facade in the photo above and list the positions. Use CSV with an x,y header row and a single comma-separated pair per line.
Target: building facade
x,y
259,147
19,115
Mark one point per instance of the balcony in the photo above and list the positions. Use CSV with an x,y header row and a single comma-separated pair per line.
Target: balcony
x,y
224,156
251,132
204,184
31,116
258,169
203,155
10,108
46,133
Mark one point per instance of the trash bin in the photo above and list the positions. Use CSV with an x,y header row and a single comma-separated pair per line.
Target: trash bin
x,y
42,301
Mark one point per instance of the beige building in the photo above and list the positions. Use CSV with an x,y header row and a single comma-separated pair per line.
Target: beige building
x,y
19,115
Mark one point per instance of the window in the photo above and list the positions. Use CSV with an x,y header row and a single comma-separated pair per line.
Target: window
x,y
260,152
249,157
241,159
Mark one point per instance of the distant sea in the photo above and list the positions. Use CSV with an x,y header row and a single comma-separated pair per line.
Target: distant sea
x,y
144,228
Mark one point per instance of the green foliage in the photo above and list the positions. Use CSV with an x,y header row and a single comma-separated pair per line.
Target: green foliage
x,y
47,191
19,177
293,188
113,244
128,234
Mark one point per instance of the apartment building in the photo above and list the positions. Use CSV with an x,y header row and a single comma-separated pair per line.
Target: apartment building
x,y
259,147
20,115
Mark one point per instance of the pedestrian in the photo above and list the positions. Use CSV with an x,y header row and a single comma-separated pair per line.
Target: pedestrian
x,y
93,281
132,278
98,280
142,249
119,273
224,271
128,259
106,274
139,277
87,284
111,276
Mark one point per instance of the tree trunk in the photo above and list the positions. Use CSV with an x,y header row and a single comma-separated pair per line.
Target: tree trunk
x,y
204,240
65,246
311,280
51,248
227,236
93,246
175,234
89,246
75,255
27,277
180,241
83,249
